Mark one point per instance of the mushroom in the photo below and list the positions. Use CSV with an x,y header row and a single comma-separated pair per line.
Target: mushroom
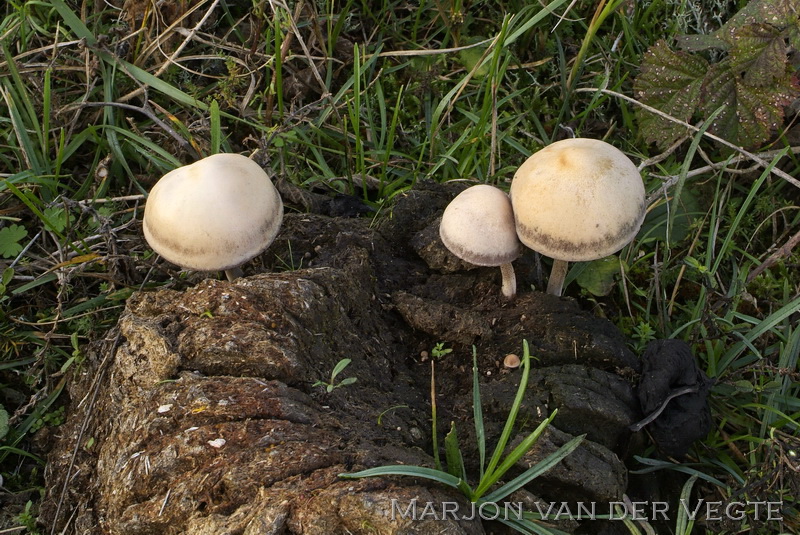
x,y
478,227
511,361
214,214
577,200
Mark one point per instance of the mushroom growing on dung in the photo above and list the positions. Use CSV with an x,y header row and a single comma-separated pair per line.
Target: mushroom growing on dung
x,y
478,227
214,214
577,200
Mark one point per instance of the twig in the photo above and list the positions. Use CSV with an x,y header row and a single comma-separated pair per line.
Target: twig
x,y
145,110
563,16
124,198
36,51
302,42
428,51
671,180
663,156
782,252
213,41
165,35
164,503
184,43
761,162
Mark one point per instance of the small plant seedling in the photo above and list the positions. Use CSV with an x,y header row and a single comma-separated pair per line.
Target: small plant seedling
x,y
339,368
439,350
393,408
10,238
455,475
27,518
643,334
289,264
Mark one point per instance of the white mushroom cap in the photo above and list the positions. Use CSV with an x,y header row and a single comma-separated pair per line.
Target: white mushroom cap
x,y
214,214
578,200
478,226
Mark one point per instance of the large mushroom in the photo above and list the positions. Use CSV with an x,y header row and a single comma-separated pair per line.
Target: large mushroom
x,y
478,227
214,214
577,200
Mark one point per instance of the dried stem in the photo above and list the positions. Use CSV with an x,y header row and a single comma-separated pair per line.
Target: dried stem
x,y
784,251
754,157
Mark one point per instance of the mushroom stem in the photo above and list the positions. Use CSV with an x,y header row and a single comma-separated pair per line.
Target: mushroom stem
x,y
557,275
234,273
509,287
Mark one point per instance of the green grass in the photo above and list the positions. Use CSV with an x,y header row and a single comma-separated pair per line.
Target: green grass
x,y
368,98
476,489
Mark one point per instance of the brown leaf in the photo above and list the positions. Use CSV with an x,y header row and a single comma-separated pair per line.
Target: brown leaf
x,y
669,81
750,113
759,52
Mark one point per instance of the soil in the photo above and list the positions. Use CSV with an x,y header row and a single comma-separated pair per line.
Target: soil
x,y
200,414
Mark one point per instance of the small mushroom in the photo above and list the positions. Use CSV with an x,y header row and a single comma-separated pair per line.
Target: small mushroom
x,y
214,214
511,361
478,227
577,200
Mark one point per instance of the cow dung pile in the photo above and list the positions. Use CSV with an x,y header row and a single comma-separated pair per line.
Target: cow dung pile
x,y
199,414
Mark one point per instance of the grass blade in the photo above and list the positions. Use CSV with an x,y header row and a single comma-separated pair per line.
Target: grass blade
x,y
531,22
29,201
412,471
745,207
763,327
492,475
676,197
530,528
491,510
455,461
683,525
477,412
535,471
29,153
83,32
656,464
216,128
